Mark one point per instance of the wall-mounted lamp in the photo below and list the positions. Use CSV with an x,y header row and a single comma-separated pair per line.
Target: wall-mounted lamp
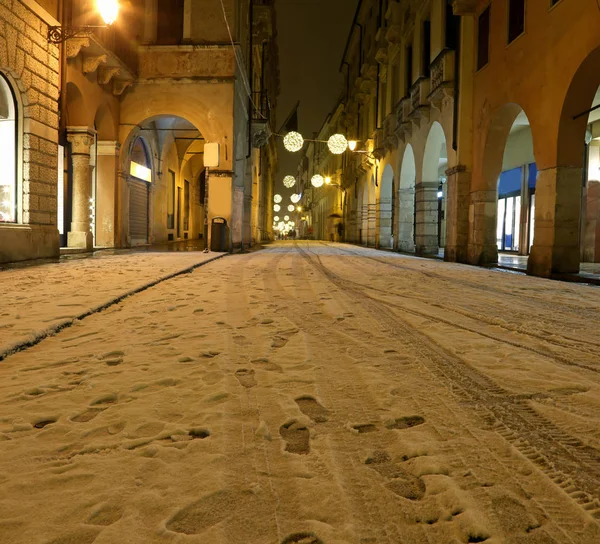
x,y
109,11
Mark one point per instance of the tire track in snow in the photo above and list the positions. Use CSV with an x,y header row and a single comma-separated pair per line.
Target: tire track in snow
x,y
570,464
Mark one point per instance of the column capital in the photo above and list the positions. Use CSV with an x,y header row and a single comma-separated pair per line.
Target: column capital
x,y
81,139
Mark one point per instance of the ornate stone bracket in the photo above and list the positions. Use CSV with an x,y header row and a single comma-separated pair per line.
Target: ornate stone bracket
x,y
119,86
106,73
74,46
91,63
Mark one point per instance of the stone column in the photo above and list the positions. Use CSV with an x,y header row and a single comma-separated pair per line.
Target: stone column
x,y
483,248
427,217
106,193
457,214
81,139
385,223
122,211
225,200
364,225
557,210
406,219
372,236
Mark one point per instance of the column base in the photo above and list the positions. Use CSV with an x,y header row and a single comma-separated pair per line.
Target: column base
x,y
82,240
544,262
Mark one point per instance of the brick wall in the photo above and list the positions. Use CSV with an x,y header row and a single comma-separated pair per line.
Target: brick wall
x,y
32,65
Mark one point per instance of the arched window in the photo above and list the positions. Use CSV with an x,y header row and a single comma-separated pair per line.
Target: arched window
x,y
141,163
8,153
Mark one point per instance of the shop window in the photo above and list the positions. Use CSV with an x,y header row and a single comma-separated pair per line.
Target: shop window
x,y
8,153
171,201
483,38
516,19
186,205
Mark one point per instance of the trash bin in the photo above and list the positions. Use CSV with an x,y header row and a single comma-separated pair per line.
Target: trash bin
x,y
218,234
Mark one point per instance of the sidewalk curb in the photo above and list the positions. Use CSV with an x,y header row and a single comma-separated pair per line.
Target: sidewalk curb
x,y
39,336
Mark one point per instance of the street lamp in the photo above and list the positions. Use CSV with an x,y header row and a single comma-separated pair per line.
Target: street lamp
x,y
109,11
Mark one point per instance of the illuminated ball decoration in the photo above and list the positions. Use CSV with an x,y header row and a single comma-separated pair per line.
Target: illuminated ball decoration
x,y
337,144
277,199
293,141
276,208
286,218
317,181
295,198
276,218
289,181
291,208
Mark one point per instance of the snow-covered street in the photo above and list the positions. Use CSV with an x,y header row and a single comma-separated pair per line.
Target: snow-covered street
x,y
308,393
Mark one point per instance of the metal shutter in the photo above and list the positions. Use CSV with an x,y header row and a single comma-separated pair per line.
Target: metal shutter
x,y
138,212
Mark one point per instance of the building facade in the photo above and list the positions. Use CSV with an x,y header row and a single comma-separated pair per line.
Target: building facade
x,y
469,142
141,132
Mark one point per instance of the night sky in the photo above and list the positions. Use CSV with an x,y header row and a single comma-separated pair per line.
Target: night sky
x,y
312,36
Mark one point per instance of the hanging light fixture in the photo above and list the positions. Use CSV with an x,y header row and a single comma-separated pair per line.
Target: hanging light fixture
x,y
286,217
108,9
277,199
317,181
276,208
337,144
276,218
295,198
291,208
289,181
352,144
293,141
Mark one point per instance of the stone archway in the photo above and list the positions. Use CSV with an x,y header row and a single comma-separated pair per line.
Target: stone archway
x,y
567,220
406,200
431,193
386,208
172,145
483,247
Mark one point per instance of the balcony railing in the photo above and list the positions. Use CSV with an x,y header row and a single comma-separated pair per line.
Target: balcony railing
x,y
418,95
442,74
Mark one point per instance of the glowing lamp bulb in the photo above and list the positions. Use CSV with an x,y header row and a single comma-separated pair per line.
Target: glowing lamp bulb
x,y
293,141
289,181
277,199
317,181
276,208
291,208
327,180
352,145
286,218
337,144
108,9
